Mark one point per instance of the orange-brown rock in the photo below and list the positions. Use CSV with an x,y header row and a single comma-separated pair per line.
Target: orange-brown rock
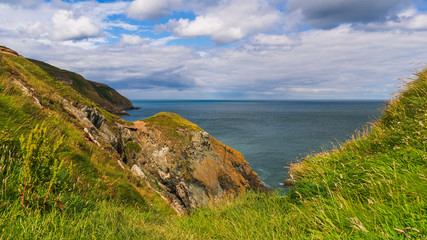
x,y
190,167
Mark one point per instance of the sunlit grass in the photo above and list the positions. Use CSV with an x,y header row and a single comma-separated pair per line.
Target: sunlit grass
x,y
373,186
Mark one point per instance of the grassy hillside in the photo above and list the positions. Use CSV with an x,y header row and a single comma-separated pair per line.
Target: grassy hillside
x,y
103,95
97,192
372,187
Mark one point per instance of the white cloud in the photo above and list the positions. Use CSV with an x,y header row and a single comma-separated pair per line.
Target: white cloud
x,y
162,41
121,24
59,21
133,39
337,63
268,39
360,60
18,18
151,9
37,30
68,27
228,21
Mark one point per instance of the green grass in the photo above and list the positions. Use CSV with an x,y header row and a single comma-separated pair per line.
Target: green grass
x,y
100,192
101,94
171,124
100,220
373,186
171,121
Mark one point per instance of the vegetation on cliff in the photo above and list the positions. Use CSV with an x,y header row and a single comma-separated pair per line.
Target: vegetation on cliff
x,y
106,97
53,206
372,187
63,156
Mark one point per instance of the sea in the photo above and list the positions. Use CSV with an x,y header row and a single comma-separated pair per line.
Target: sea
x,y
271,134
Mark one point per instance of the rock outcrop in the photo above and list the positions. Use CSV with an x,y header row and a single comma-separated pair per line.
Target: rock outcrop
x,y
190,167
176,158
180,161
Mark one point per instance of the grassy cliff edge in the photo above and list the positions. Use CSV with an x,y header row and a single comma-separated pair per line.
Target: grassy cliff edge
x,y
373,186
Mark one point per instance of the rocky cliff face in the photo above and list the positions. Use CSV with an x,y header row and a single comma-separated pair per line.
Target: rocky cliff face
x,y
180,161
190,167
175,157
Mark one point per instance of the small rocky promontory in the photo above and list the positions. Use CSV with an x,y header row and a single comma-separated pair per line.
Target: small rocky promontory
x,y
190,166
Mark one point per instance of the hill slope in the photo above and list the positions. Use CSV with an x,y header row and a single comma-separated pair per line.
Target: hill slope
x,y
61,152
372,187
106,97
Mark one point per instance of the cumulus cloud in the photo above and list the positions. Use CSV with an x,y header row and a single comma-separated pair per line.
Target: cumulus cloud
x,y
359,60
18,18
337,63
151,9
331,13
228,21
60,21
133,39
162,41
37,30
68,27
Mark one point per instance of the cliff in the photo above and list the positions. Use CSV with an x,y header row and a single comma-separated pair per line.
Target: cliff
x,y
166,153
190,166
103,95
371,186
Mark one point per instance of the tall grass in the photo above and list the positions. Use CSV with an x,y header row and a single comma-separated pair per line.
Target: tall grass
x,y
102,202
373,186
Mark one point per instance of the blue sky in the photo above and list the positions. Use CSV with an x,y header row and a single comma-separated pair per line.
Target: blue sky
x,y
226,49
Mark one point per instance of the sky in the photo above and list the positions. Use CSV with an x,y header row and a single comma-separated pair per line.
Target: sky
x,y
226,49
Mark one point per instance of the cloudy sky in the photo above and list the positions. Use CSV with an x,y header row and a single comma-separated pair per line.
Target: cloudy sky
x,y
226,49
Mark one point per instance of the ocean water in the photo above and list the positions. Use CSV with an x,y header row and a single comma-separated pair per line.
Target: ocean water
x,y
271,134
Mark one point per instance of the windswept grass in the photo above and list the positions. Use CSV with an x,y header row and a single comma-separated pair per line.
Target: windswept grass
x,y
373,186
95,220
102,200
